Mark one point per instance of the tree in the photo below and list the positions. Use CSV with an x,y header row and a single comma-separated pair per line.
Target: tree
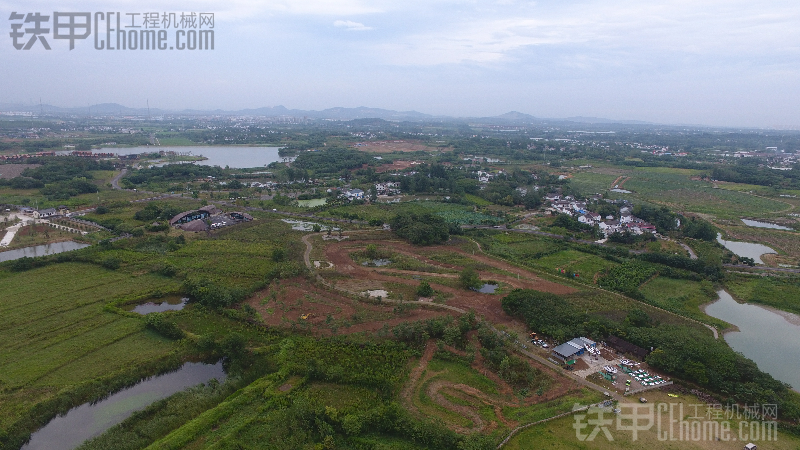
x,y
424,289
470,279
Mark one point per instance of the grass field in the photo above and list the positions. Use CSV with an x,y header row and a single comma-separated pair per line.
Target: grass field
x,y
682,297
675,189
560,434
55,333
779,293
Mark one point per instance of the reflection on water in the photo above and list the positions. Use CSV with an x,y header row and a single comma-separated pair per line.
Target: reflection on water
x,y
41,250
90,420
746,249
173,303
766,337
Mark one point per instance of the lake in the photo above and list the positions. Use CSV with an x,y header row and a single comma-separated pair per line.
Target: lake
x,y
90,420
41,250
234,157
746,249
755,223
766,337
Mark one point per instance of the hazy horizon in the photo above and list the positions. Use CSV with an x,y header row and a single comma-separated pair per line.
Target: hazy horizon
x,y
713,63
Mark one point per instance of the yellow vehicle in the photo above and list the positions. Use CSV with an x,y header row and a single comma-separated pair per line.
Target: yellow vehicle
x,y
305,316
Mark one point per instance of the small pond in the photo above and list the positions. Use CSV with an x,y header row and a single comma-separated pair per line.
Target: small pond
x,y
312,203
377,262
771,339
41,250
746,249
90,420
488,289
755,223
171,303
300,225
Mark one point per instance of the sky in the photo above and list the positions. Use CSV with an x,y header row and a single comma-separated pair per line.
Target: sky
x,y
707,62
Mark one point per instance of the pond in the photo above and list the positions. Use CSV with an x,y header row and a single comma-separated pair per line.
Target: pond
x,y
300,225
771,339
488,289
234,157
90,420
746,249
312,203
755,223
377,262
171,303
41,250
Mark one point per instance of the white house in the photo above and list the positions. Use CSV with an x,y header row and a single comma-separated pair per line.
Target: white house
x,y
44,213
354,194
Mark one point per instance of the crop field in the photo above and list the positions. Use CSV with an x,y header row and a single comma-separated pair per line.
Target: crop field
x,y
56,335
676,189
449,211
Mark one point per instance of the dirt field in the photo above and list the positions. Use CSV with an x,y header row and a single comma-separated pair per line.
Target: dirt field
x,y
468,399
393,146
14,170
396,166
283,304
486,305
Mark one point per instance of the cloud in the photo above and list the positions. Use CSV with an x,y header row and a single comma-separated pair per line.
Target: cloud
x,y
640,31
351,26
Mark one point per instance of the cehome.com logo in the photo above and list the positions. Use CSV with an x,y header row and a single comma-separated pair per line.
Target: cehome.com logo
x,y
114,30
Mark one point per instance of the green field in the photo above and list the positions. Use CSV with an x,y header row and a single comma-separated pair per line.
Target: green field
x,y
55,334
682,297
781,293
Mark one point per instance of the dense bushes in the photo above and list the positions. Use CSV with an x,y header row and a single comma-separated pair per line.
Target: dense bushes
x,y
421,229
160,323
212,294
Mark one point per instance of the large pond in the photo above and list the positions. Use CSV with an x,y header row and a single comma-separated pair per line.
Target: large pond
x,y
746,249
234,157
90,420
755,223
41,250
770,339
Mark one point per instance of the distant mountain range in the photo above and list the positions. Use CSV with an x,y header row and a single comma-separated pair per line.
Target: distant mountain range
x,y
338,113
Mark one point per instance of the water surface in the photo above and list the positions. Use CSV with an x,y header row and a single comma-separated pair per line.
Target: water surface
x,y
90,420
234,157
41,250
172,303
746,249
755,223
764,336
312,203
488,289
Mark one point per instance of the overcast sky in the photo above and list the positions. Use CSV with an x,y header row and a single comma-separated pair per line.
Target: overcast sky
x,y
713,62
